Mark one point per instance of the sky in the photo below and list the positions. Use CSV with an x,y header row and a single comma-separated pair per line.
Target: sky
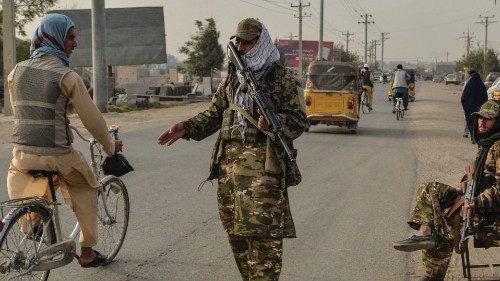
x,y
424,30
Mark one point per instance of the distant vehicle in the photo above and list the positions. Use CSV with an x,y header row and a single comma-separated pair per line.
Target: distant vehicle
x,y
376,75
451,79
495,86
437,78
490,78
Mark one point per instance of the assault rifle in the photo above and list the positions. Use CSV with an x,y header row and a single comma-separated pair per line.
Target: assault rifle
x,y
260,99
466,220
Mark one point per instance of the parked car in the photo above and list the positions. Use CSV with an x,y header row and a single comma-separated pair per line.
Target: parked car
x,y
451,79
437,78
490,78
494,86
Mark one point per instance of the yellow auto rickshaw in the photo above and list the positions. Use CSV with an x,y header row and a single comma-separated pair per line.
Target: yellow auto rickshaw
x,y
411,86
332,94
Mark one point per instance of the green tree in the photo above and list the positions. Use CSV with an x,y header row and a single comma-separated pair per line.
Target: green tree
x,y
26,11
475,60
22,51
348,56
204,52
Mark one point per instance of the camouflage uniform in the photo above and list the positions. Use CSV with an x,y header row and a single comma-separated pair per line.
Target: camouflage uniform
x,y
252,196
431,203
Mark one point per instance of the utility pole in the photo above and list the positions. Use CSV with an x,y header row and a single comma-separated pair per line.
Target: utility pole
x,y
383,37
375,44
347,39
320,45
99,76
446,54
468,41
366,22
9,50
291,36
301,15
486,22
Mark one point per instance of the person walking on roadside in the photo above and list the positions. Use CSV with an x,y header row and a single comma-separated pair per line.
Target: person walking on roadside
x,y
434,215
474,94
400,87
41,89
367,82
252,177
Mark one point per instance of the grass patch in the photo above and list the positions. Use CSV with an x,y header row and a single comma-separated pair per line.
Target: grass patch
x,y
127,108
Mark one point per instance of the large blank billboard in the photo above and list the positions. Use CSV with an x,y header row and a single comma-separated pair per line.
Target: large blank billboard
x,y
134,36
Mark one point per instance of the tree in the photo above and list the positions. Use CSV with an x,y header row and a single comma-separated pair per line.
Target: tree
x,y
475,61
26,11
204,52
22,51
348,56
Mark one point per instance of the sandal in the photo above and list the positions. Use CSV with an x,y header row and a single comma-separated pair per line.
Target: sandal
x,y
97,261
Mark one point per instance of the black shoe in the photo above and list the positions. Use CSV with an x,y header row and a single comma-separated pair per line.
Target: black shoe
x,y
406,108
415,243
393,110
465,135
370,108
425,278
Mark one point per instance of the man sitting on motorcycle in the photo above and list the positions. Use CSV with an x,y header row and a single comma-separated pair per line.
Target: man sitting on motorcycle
x,y
400,87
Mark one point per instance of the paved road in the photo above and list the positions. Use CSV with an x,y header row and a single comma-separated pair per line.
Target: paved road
x,y
351,206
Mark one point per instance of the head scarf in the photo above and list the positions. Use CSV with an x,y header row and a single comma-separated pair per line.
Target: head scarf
x,y
49,37
262,54
258,59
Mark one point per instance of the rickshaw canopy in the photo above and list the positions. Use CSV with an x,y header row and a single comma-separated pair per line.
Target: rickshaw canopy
x,y
332,76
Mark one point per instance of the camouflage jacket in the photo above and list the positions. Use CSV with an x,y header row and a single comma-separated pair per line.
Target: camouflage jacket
x,y
283,91
488,199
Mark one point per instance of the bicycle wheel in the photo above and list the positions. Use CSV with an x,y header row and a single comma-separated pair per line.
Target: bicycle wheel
x,y
113,216
363,103
22,240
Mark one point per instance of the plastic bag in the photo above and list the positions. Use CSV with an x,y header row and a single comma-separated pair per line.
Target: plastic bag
x,y
116,165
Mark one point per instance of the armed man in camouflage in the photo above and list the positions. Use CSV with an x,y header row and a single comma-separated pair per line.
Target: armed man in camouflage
x,y
252,176
438,229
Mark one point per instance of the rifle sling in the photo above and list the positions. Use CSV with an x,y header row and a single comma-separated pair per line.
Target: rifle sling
x,y
249,117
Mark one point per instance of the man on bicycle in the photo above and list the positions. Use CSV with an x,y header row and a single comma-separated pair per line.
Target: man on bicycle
x,y
41,89
400,87
367,82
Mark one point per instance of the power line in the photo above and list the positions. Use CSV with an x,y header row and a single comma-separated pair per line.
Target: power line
x,y
486,22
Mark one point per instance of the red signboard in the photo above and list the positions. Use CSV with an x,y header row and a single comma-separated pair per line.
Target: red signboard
x,y
290,50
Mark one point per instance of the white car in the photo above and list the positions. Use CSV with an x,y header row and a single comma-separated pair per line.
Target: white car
x,y
451,79
494,86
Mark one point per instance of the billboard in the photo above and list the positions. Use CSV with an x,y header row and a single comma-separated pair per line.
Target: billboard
x,y
290,50
134,36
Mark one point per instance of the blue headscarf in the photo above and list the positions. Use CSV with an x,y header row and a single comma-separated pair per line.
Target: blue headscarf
x,y
49,37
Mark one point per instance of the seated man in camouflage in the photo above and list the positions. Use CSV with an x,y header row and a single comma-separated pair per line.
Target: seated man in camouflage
x,y
438,231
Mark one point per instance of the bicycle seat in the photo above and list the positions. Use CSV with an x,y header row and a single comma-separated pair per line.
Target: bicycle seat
x,y
42,173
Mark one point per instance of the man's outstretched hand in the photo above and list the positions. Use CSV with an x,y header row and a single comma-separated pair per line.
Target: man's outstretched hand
x,y
172,134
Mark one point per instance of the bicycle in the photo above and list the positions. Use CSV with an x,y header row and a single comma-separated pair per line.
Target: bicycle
x,y
400,113
31,240
364,101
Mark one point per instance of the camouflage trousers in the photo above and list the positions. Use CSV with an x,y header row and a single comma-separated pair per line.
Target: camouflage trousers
x,y
258,259
254,210
431,201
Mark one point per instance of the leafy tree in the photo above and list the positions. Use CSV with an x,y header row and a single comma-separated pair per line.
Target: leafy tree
x,y
347,56
475,60
204,52
26,11
22,51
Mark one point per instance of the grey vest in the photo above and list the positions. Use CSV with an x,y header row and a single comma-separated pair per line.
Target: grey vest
x,y
40,122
